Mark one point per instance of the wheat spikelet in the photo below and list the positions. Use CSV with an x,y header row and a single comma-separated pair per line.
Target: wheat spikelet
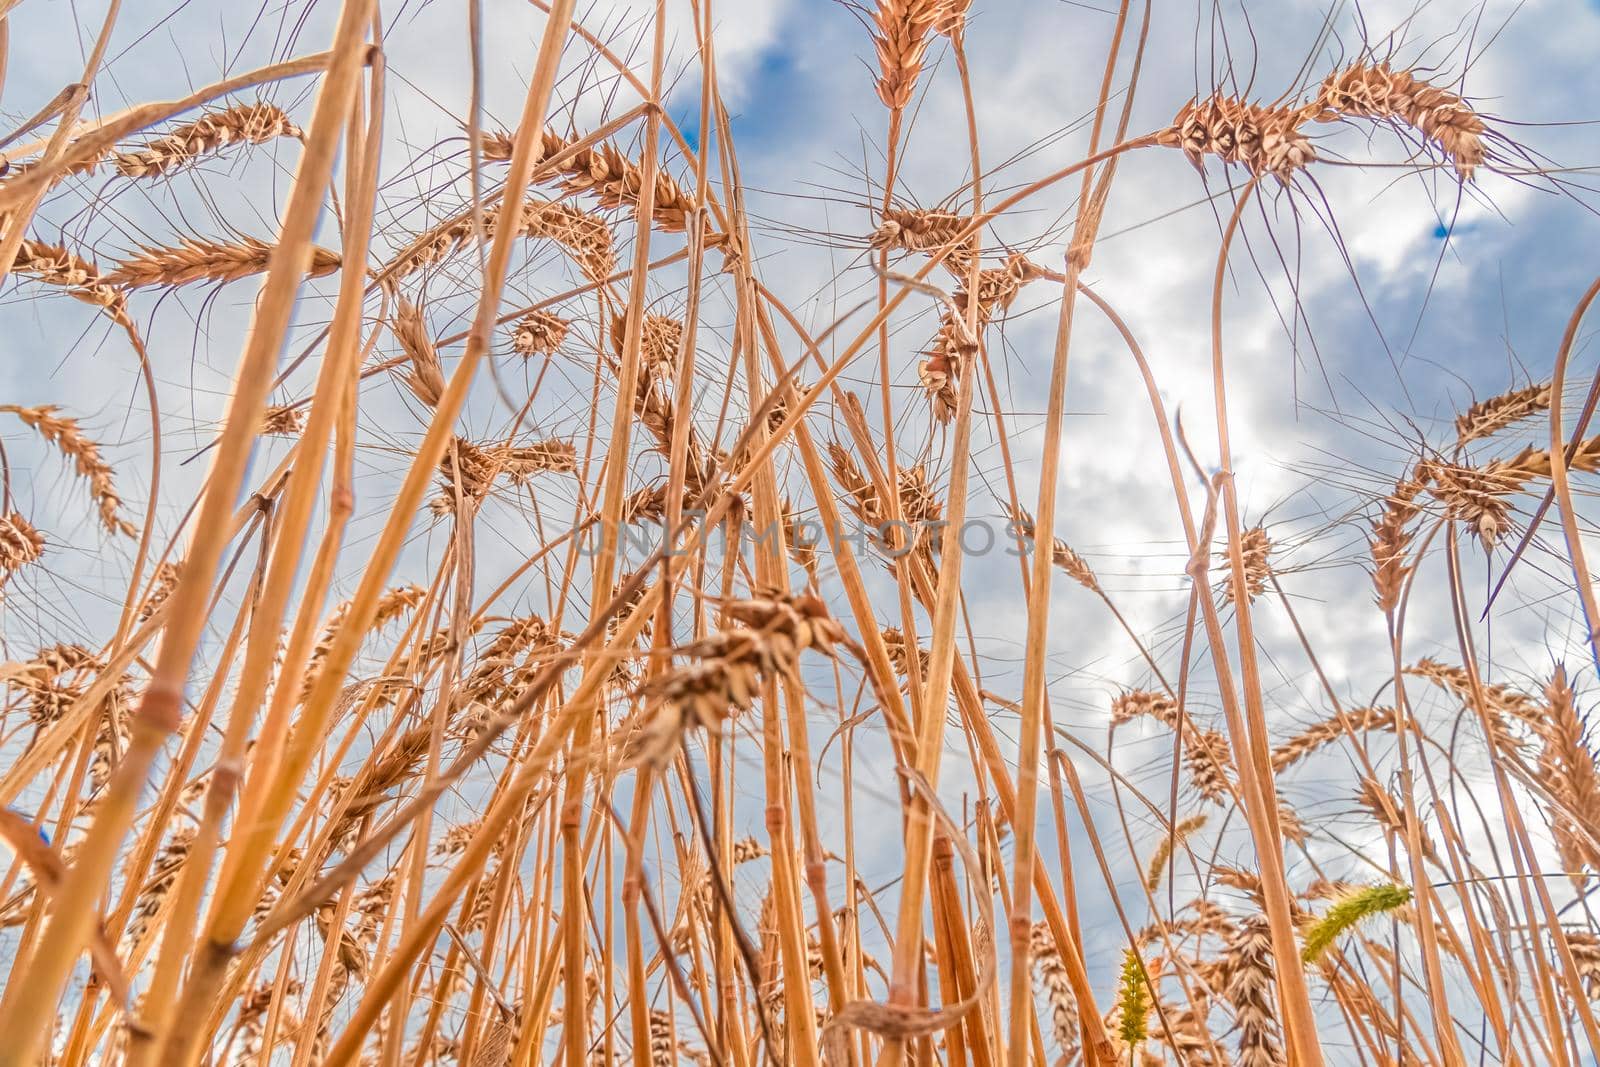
x,y
1156,868
1489,417
604,173
426,376
20,543
1266,140
1348,911
1133,1002
55,265
391,605
1376,91
726,668
1390,817
1066,560
660,338
1476,497
1255,548
200,260
952,18
918,506
1139,703
54,680
64,433
242,124
158,883
539,333
895,644
901,29
1391,538
954,345
1245,970
282,420
1500,699
916,229
1329,730
1567,769
586,236
1585,948
1051,974
1186,1033
797,539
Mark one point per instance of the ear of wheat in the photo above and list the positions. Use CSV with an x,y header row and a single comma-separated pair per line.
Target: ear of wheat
x,y
20,542
1264,139
1377,91
197,259
241,124
65,434
901,32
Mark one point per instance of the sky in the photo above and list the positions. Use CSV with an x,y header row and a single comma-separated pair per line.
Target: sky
x,y
1363,309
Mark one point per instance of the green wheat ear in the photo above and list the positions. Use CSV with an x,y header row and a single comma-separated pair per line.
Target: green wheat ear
x,y
1350,910
1133,998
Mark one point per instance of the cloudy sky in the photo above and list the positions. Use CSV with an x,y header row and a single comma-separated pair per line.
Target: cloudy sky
x,y
1365,307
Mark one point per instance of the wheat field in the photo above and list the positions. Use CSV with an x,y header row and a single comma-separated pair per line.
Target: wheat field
x,y
1037,570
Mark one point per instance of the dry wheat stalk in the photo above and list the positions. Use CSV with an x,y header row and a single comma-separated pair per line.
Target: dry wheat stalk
x,y
64,433
201,260
241,124
1379,92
